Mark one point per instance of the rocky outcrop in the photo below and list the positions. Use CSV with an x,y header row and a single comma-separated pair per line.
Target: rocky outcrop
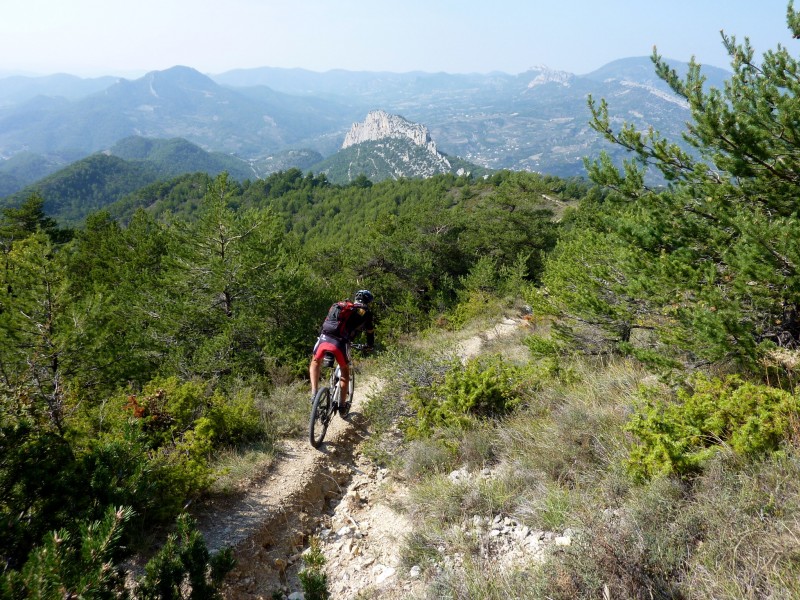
x,y
543,75
380,125
386,146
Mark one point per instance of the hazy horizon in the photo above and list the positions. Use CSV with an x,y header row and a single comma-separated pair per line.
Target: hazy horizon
x,y
139,74
89,38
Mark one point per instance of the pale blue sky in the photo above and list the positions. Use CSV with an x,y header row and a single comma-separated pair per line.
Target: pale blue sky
x,y
131,37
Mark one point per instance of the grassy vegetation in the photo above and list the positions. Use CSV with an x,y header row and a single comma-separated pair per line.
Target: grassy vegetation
x,y
283,414
561,461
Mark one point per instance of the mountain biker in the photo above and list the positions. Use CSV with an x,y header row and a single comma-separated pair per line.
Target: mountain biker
x,y
337,334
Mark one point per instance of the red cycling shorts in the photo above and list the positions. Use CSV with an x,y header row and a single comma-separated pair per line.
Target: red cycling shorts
x,y
335,347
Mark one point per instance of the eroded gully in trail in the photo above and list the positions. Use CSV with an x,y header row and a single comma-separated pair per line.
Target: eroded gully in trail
x,y
335,494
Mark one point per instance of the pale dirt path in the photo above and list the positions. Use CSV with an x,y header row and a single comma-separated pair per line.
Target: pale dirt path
x,y
270,525
363,538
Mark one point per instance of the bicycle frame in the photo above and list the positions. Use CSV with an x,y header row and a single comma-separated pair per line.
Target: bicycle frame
x,y
327,400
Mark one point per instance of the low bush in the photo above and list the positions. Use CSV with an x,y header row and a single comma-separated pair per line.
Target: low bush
x,y
430,456
757,504
679,437
86,563
184,565
313,577
485,387
83,564
642,555
175,427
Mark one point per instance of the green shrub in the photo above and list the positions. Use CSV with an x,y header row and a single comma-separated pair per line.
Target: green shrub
x,y
484,387
541,346
313,578
474,304
180,424
184,568
169,407
679,437
73,565
235,419
86,563
402,371
181,470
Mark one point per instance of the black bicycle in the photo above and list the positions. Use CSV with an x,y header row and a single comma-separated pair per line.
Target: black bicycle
x,y
327,400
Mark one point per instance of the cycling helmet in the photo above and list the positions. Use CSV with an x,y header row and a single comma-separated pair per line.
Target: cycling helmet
x,y
364,297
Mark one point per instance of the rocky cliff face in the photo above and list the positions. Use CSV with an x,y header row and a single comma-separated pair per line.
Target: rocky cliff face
x,y
386,146
544,75
380,125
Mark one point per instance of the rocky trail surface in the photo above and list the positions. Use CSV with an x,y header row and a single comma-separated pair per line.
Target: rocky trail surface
x,y
336,495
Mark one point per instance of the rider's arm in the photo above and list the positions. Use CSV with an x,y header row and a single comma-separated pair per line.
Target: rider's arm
x,y
369,330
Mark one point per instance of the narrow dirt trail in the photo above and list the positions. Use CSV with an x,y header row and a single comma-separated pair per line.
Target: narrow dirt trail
x,y
333,493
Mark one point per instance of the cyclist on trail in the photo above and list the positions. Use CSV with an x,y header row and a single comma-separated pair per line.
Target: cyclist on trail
x,y
344,322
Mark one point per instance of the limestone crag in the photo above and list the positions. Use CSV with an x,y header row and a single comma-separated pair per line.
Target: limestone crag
x,y
380,124
546,75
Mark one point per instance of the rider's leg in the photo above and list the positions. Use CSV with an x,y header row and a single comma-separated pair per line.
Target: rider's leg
x,y
344,380
313,374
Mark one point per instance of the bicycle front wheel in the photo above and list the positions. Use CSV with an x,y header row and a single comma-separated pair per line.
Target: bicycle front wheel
x,y
320,417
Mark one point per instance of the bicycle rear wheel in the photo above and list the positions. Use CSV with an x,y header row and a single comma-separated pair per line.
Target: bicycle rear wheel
x,y
320,417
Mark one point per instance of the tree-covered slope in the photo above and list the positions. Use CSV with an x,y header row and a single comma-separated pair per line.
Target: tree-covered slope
x,y
86,186
134,163
177,156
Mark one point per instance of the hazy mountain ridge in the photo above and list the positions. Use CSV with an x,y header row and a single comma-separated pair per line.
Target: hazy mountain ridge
x,y
18,88
178,102
537,120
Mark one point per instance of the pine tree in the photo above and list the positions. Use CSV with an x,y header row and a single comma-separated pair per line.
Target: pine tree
x,y
35,328
229,285
718,249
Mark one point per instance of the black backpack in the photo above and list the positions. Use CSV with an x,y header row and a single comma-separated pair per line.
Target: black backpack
x,y
336,323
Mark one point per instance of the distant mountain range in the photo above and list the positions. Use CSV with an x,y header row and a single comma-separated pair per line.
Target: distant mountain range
x,y
264,120
382,147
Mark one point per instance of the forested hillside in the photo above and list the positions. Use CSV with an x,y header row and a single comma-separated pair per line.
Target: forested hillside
x,y
654,414
90,184
138,349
